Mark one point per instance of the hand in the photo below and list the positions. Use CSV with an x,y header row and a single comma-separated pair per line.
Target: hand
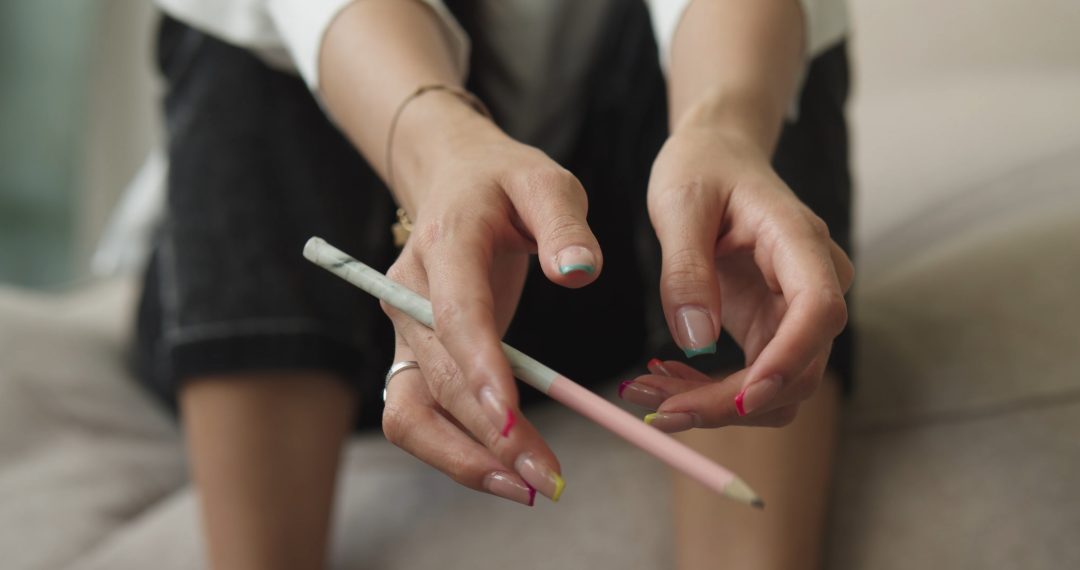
x,y
742,252
478,213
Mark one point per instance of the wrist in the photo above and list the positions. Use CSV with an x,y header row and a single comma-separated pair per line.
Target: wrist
x,y
743,116
430,132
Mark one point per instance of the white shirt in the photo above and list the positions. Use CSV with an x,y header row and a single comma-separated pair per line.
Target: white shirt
x,y
288,33
540,83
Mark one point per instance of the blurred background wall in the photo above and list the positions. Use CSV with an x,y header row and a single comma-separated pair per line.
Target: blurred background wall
x,y
955,93
77,110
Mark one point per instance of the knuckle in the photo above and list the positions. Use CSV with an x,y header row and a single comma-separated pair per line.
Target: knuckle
x,y
544,179
835,310
443,378
563,227
493,440
458,466
539,186
687,273
427,235
446,314
394,424
676,197
817,225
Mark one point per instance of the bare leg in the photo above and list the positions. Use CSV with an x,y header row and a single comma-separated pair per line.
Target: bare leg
x,y
790,467
264,454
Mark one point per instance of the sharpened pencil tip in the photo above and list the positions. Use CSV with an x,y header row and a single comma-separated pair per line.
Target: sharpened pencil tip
x,y
757,504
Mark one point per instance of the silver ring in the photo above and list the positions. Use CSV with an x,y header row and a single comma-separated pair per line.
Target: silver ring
x,y
397,367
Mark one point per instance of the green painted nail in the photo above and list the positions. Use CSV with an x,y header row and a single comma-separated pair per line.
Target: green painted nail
x,y
564,269
692,352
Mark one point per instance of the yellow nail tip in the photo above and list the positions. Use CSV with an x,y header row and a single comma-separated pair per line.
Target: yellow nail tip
x,y
649,418
560,484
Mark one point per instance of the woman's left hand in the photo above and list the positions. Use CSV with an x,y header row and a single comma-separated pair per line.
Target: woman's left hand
x,y
740,251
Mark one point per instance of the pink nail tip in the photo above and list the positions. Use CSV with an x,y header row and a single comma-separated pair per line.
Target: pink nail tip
x,y
623,385
656,366
511,419
739,403
532,494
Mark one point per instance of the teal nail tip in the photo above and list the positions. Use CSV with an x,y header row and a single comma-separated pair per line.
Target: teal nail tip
x,y
692,352
565,269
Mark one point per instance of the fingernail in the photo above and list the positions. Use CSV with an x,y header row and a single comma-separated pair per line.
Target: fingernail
x,y
640,394
656,366
540,476
576,258
670,421
757,394
696,332
503,485
499,414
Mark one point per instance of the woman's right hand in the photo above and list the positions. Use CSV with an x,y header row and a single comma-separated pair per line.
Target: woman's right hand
x,y
481,204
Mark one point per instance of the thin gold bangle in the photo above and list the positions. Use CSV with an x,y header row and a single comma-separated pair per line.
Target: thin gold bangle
x,y
464,95
403,227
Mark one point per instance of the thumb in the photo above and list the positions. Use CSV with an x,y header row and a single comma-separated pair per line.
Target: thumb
x,y
687,229
553,205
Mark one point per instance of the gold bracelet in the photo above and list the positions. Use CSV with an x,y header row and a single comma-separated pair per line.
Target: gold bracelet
x,y
403,227
462,94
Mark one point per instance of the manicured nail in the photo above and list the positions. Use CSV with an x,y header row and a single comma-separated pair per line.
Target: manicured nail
x,y
656,366
670,421
757,394
499,414
540,476
696,332
640,394
576,258
503,485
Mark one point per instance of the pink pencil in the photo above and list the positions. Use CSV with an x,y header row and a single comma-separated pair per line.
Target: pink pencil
x,y
559,387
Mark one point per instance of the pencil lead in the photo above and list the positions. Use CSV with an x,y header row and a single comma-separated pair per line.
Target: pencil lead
x,y
757,504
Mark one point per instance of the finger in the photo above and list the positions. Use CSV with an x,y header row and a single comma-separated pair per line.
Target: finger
x,y
665,380
797,254
687,223
727,402
676,369
412,421
651,390
553,206
516,443
408,271
458,268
